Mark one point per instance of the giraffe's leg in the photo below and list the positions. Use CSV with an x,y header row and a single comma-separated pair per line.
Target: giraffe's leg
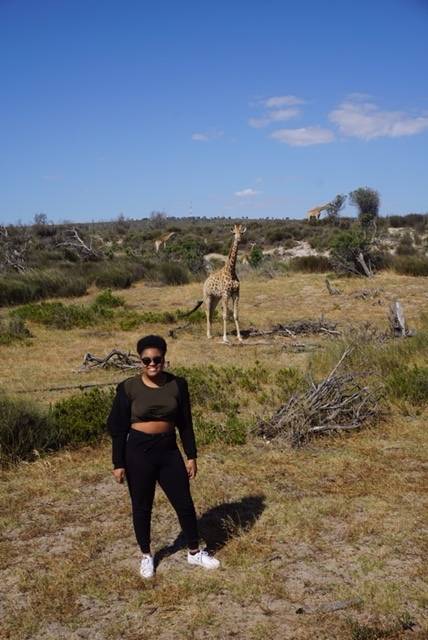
x,y
224,306
235,317
211,303
208,311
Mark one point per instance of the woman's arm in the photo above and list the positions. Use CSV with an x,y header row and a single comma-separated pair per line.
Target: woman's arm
x,y
118,426
184,420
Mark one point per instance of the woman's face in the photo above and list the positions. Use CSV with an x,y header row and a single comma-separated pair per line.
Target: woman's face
x,y
153,361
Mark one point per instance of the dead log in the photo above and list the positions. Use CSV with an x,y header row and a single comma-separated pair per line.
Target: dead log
x,y
116,359
333,291
397,320
366,294
365,267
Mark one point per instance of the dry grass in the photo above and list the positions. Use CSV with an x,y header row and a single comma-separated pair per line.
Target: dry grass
x,y
339,519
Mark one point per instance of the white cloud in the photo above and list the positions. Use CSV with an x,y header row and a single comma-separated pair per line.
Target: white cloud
x,y
247,193
273,116
359,119
282,101
303,137
207,136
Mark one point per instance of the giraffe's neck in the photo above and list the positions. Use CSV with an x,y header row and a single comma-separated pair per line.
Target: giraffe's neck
x,y
231,260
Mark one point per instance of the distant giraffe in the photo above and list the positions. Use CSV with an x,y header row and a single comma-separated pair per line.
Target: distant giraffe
x,y
245,258
222,285
162,240
316,211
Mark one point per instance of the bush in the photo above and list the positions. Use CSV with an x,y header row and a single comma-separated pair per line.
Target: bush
x,y
311,264
409,384
189,252
277,234
36,285
173,273
81,418
24,428
57,314
62,316
256,256
107,299
405,247
13,329
347,246
411,265
114,277
232,431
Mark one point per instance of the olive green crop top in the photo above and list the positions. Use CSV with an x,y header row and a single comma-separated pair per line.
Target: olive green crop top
x,y
152,403
136,402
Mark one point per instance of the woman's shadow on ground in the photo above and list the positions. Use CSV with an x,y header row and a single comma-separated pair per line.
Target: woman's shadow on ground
x,y
220,524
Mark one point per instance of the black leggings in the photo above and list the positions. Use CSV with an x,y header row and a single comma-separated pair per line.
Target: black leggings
x,y
151,458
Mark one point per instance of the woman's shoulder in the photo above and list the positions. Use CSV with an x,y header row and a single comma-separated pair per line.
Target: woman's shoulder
x,y
127,384
180,381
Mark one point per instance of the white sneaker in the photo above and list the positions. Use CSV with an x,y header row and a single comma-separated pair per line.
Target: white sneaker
x,y
203,559
147,568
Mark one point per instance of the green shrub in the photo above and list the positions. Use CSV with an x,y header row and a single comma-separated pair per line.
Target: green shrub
x,y
256,256
114,277
173,273
310,264
24,429
232,431
411,265
57,314
289,380
107,299
81,418
36,285
13,329
405,383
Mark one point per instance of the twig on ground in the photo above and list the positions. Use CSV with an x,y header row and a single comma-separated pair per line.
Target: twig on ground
x,y
294,328
330,606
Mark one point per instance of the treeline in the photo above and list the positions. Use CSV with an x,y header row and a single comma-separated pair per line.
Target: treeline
x,y
48,260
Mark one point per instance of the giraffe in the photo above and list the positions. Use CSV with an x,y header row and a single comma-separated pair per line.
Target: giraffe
x,y
316,211
245,258
222,285
162,240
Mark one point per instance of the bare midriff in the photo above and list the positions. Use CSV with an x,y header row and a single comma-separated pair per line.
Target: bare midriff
x,y
153,426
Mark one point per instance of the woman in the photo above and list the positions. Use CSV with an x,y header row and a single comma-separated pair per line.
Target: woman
x,y
142,421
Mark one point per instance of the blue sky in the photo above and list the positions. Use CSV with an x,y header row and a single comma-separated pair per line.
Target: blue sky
x,y
237,108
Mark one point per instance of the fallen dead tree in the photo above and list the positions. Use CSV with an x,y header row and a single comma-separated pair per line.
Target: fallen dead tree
x,y
116,359
339,403
294,328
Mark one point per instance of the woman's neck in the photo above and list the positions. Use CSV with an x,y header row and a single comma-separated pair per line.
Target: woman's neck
x,y
156,381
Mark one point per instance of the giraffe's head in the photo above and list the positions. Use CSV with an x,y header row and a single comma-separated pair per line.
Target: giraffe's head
x,y
238,231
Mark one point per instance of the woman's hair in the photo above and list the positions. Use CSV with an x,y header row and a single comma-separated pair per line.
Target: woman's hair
x,y
156,342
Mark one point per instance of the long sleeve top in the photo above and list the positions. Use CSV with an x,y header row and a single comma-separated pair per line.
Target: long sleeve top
x,y
136,402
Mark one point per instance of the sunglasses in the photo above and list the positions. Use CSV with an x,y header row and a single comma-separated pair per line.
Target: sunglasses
x,y
156,360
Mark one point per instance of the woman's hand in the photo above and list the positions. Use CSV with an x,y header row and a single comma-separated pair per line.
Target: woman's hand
x,y
192,468
119,475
